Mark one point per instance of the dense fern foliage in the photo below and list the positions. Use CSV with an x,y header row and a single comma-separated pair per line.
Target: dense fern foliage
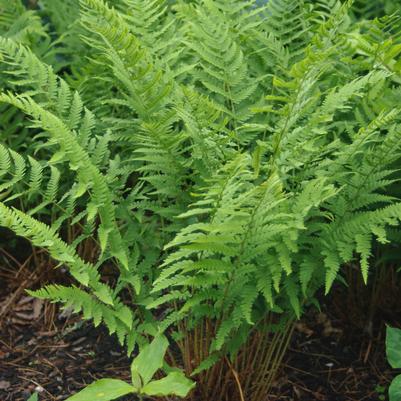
x,y
374,9
223,159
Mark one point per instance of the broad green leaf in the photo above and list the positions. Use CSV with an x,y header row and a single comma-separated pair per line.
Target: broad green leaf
x,y
394,391
136,379
103,390
393,347
149,360
33,397
174,384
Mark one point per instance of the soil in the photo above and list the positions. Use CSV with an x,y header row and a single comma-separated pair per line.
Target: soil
x,y
325,363
52,352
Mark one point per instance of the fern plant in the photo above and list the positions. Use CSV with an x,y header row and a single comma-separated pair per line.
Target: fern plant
x,y
222,164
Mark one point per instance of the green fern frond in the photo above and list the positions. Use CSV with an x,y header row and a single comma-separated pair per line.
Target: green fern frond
x,y
88,174
118,320
143,86
43,236
20,24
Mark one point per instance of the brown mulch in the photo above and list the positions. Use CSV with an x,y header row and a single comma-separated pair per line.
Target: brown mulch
x,y
57,364
325,363
43,348
46,350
